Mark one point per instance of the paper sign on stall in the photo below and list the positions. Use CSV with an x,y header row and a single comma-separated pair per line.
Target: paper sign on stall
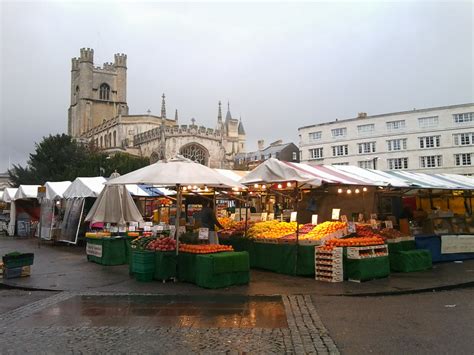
x,y
264,216
114,229
373,223
146,228
389,224
149,224
373,216
335,213
271,216
172,230
122,229
135,224
314,219
293,216
360,218
141,225
181,230
232,216
131,228
94,250
344,218
351,227
203,234
159,228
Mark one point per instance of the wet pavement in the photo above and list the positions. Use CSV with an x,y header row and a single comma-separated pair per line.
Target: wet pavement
x,y
162,311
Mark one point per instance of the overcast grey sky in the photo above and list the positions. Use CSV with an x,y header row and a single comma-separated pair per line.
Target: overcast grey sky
x,y
282,66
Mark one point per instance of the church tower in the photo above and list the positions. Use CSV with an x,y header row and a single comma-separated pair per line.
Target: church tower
x,y
97,94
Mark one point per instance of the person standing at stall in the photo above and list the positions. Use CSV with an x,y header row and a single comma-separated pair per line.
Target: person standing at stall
x,y
209,220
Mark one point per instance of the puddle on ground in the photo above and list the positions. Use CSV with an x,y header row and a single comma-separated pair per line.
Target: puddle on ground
x,y
163,311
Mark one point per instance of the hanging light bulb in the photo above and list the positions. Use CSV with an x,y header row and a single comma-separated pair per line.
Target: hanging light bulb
x,y
184,188
349,191
357,191
206,189
339,191
264,187
256,186
198,189
288,184
195,187
251,192
364,189
280,186
189,187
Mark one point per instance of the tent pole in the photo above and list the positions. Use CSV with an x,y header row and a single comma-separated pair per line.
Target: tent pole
x,y
178,215
246,214
297,227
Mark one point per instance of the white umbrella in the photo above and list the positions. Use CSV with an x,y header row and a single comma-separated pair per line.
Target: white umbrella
x,y
274,170
114,205
173,172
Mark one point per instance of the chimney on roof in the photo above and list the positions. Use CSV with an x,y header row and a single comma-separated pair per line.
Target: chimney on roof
x,y
260,144
362,115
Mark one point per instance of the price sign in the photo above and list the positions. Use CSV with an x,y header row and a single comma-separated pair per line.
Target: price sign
x,y
135,224
271,216
203,234
122,229
373,223
264,216
131,228
335,213
232,216
344,218
141,225
172,231
389,224
114,229
181,230
159,228
314,219
373,216
351,227
293,216
360,218
146,228
149,224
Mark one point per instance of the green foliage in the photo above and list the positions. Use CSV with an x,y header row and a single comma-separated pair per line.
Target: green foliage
x,y
59,158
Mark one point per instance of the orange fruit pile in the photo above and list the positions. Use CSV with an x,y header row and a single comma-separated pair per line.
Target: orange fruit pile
x,y
325,228
357,242
204,248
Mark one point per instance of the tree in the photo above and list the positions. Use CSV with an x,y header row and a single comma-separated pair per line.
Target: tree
x,y
59,158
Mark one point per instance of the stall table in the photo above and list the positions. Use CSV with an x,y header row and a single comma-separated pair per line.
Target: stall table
x,y
433,244
106,251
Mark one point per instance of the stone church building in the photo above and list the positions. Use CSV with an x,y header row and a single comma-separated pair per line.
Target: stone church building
x,y
99,113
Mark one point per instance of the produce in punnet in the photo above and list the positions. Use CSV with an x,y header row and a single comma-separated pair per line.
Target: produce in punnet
x,y
162,244
204,248
355,242
324,229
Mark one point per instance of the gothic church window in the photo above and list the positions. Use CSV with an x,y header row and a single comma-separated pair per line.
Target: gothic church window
x,y
115,138
104,92
195,152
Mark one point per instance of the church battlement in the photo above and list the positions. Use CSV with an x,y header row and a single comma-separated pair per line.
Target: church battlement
x,y
104,126
87,55
176,131
74,64
120,60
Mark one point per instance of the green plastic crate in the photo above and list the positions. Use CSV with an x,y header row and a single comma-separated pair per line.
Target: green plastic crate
x,y
107,251
165,265
18,260
411,260
143,261
366,269
144,276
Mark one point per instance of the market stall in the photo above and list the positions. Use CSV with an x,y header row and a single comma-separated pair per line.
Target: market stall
x,y
8,198
187,178
51,207
27,210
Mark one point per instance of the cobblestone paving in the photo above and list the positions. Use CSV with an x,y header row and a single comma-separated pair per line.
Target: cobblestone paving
x,y
305,334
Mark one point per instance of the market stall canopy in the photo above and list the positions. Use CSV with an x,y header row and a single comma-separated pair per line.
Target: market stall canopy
x,y
26,192
274,170
9,194
148,191
235,175
114,205
85,187
175,171
55,190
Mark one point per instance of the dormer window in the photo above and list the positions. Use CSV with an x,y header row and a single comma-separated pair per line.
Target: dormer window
x,y
104,92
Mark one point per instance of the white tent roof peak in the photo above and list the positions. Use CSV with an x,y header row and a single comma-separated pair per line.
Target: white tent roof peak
x,y
85,187
9,194
26,192
56,189
274,170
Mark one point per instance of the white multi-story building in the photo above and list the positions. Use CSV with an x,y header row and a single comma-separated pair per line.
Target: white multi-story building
x,y
439,139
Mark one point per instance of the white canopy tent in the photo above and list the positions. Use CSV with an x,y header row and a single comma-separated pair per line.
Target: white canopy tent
x,y
55,190
8,197
9,194
274,171
85,187
26,192
114,205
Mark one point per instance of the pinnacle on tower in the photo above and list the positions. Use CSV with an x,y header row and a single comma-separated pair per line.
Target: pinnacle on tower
x,y
219,113
241,129
176,115
228,116
163,106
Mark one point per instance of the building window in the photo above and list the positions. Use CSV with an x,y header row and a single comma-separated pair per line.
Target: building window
x,y
366,164
428,122
367,147
463,159
395,125
104,92
115,138
397,144
464,138
339,132
316,153
429,142
195,152
397,163
315,136
344,163
463,117
101,142
295,156
110,139
366,129
340,150
432,161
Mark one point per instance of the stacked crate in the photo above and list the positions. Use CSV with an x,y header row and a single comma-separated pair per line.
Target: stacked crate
x,y
328,264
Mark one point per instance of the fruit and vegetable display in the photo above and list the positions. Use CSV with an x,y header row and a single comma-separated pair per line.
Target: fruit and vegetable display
x,y
226,222
236,228
271,229
390,233
355,242
141,243
325,229
204,248
162,244
98,234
